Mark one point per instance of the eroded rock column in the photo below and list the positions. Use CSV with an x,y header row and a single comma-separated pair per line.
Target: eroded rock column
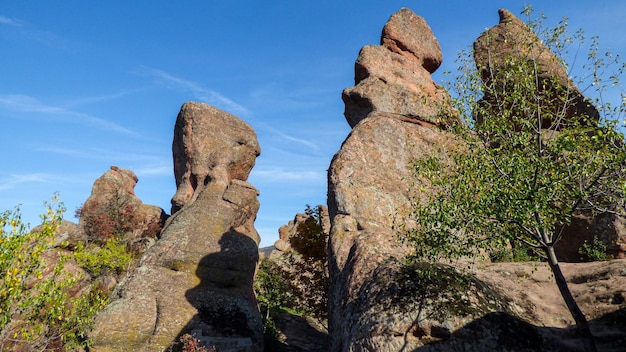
x,y
198,277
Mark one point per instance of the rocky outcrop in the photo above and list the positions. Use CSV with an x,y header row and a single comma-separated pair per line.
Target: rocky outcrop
x,y
376,301
288,231
511,40
394,111
394,77
198,277
113,210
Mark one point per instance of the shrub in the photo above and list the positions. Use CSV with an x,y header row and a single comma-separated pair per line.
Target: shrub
x,y
112,258
594,251
36,310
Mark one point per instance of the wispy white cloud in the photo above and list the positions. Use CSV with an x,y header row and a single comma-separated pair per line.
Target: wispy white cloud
x,y
12,181
10,21
279,174
30,32
290,138
201,93
29,104
99,98
100,154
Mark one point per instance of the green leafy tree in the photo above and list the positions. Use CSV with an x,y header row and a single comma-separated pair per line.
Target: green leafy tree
x,y
309,258
521,166
298,280
36,311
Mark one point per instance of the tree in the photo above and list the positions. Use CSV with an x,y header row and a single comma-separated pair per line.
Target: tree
x,y
298,279
36,309
524,161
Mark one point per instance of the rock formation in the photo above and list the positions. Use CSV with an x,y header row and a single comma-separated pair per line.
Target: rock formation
x,y
510,40
395,77
376,302
198,277
112,210
289,230
394,111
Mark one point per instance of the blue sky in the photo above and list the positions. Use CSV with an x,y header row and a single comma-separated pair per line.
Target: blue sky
x,y
89,84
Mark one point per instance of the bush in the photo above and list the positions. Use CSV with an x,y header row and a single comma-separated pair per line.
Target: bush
x,y
594,251
112,258
36,310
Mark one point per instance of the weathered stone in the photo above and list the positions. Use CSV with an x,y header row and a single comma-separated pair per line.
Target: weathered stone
x,y
369,187
395,76
512,39
406,32
198,276
209,144
113,210
585,228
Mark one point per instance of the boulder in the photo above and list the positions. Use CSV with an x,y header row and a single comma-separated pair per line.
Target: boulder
x,y
198,277
113,210
395,76
512,39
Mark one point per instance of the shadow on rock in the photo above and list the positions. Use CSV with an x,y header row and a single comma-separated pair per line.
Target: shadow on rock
x,y
224,298
503,332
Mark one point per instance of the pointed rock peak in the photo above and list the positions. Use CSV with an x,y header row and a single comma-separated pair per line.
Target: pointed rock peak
x,y
507,16
408,33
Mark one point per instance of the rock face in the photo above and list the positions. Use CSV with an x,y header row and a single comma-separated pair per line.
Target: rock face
x,y
512,39
394,111
395,77
112,209
198,277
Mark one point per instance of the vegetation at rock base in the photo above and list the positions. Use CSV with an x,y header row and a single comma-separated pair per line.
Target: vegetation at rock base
x,y
36,309
522,166
112,258
297,282
191,344
594,251
118,218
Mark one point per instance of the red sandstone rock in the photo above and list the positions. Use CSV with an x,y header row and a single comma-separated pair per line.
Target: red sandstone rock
x,y
395,76
198,276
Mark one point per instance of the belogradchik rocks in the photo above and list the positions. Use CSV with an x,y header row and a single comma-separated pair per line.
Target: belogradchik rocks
x,y
375,303
394,77
198,277
511,38
369,180
112,209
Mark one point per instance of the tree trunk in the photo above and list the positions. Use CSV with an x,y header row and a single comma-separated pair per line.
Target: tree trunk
x,y
582,326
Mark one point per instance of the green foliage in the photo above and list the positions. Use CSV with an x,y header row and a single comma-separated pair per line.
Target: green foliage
x,y
516,253
594,251
112,258
529,156
508,179
296,282
36,311
308,277
271,287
